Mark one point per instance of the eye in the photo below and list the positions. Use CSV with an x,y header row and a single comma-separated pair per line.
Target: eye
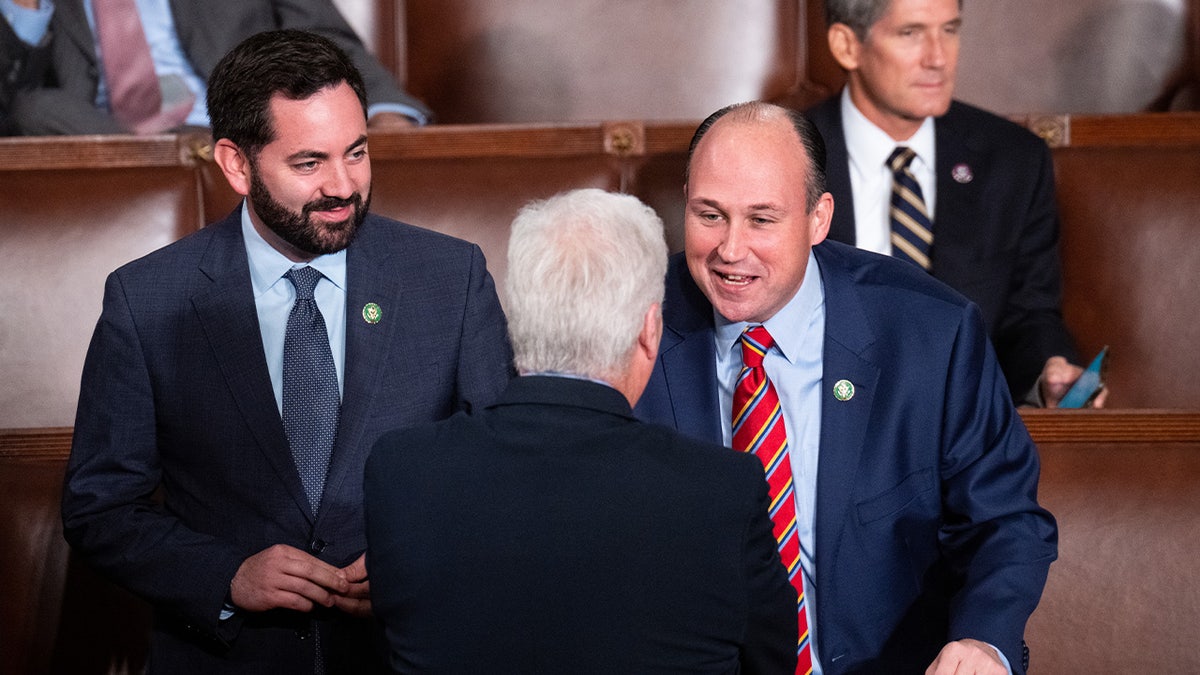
x,y
306,167
358,155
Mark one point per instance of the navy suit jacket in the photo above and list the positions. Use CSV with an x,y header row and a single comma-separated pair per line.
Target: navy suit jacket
x,y
555,533
176,394
995,237
927,523
51,88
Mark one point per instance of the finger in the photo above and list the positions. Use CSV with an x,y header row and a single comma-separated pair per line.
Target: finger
x,y
354,606
361,589
357,570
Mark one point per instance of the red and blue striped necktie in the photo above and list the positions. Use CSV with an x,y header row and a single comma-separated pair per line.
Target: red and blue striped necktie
x,y
758,428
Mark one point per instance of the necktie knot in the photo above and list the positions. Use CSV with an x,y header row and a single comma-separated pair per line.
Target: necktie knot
x,y
304,279
900,158
756,341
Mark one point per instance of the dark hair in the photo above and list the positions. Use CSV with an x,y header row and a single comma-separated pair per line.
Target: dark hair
x,y
859,15
758,111
294,63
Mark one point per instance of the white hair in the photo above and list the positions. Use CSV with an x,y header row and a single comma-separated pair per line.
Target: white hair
x,y
583,268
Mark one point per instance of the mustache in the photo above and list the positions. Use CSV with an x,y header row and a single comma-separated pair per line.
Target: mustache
x,y
328,203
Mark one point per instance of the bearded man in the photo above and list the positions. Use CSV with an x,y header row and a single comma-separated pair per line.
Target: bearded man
x,y
238,378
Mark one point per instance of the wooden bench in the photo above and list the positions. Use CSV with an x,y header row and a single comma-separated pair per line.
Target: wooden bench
x,y
1123,596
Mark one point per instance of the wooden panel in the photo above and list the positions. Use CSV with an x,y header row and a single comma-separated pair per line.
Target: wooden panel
x,y
591,60
62,232
1130,223
1122,597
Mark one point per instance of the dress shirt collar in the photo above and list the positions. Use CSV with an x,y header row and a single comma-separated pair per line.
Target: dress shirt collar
x,y
789,325
868,146
268,265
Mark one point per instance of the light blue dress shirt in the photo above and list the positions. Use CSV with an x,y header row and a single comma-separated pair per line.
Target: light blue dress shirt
x,y
30,25
794,367
274,297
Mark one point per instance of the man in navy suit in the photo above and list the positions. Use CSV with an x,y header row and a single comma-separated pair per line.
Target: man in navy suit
x,y
987,183
555,533
922,542
182,485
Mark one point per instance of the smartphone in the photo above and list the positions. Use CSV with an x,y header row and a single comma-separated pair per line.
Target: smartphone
x,y
1087,386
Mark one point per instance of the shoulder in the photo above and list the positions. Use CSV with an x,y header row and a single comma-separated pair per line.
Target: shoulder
x,y
720,469
183,255
826,113
401,453
394,236
842,264
981,127
390,244
898,299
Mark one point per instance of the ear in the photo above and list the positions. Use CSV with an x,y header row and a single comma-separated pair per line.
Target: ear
x,y
844,46
819,218
234,164
651,333
645,353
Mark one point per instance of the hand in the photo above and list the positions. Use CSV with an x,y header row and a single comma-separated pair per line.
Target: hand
x,y
282,577
389,120
357,600
967,657
1057,377
31,4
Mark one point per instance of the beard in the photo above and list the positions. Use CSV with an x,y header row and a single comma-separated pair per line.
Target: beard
x,y
299,229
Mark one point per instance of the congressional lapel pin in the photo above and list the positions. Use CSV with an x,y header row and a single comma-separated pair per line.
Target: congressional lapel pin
x,y
962,174
843,390
372,313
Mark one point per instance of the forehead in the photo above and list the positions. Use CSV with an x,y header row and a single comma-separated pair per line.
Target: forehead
x,y
752,154
331,117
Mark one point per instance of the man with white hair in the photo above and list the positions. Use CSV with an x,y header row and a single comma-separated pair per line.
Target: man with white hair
x,y
554,532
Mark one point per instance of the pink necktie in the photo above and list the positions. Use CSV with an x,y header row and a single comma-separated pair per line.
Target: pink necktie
x,y
134,91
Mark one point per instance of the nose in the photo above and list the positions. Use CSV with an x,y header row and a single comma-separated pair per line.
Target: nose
x,y
732,247
936,49
339,181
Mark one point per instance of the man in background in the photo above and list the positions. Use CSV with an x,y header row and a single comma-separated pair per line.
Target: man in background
x,y
237,379
56,78
555,533
959,192
903,483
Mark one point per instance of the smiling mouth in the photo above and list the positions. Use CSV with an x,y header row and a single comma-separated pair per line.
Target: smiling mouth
x,y
735,279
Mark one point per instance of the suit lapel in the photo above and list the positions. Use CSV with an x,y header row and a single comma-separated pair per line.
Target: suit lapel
x,y
229,319
368,347
955,218
690,370
687,356
844,424
71,20
837,169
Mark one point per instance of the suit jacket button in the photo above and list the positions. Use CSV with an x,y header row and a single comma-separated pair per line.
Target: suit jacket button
x,y
304,633
317,546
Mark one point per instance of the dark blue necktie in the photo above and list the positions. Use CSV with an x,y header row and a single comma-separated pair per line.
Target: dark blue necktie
x,y
912,230
311,402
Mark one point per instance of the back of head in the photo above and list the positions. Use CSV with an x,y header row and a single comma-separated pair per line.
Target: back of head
x,y
290,63
583,268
